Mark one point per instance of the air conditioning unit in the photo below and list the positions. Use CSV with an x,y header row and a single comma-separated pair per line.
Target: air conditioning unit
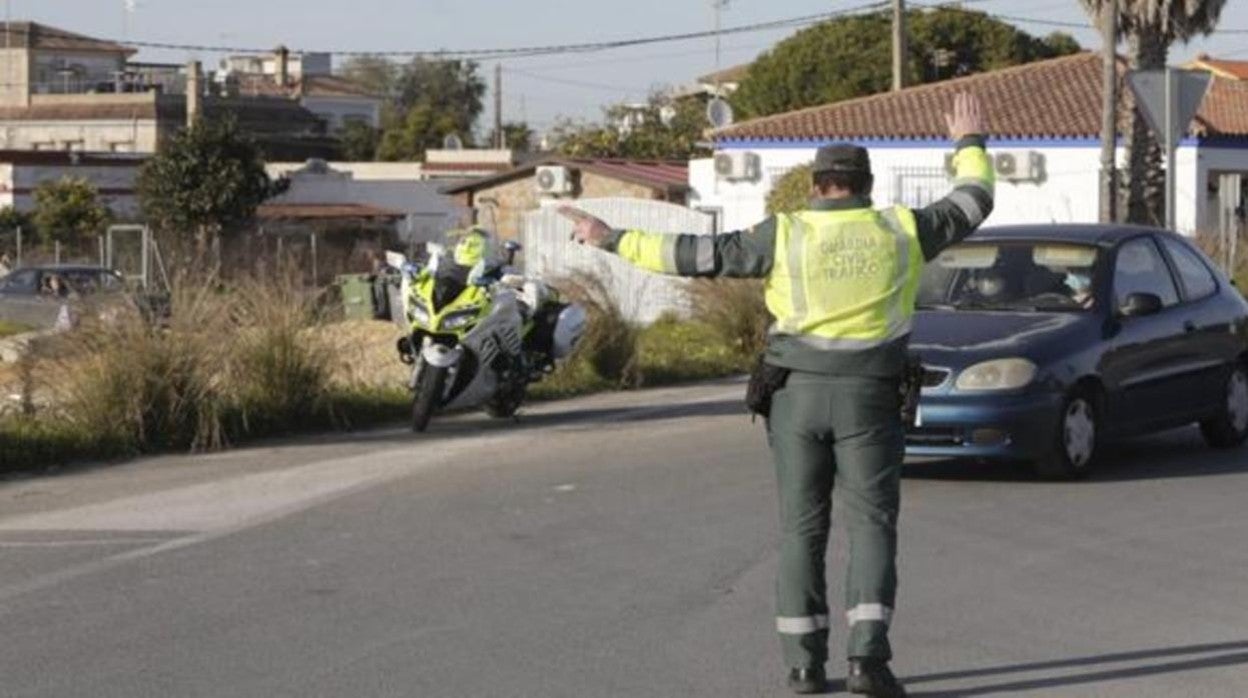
x,y
737,165
553,180
1018,165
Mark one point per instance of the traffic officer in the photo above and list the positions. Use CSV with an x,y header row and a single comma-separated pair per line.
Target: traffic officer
x,y
841,280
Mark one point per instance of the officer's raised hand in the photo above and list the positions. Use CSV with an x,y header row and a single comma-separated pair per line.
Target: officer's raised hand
x,y
586,227
967,118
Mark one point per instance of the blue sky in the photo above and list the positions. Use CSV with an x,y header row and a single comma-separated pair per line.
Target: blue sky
x,y
539,89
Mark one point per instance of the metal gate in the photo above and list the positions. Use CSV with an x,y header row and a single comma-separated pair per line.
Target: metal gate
x,y
642,296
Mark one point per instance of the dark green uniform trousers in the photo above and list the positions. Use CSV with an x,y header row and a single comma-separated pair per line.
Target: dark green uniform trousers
x,y
845,430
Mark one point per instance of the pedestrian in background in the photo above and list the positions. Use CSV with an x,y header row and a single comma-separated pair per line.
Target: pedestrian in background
x,y
841,281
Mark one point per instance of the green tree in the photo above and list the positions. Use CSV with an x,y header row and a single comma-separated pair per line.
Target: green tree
x,y
430,100
791,192
359,141
376,74
68,211
206,181
661,129
11,218
517,135
852,57
1150,28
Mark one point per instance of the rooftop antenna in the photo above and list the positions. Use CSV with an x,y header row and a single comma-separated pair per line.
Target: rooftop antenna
x,y
128,8
718,6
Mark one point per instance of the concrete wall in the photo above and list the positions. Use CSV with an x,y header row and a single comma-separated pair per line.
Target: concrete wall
x,y
911,175
114,182
97,135
428,212
15,70
502,207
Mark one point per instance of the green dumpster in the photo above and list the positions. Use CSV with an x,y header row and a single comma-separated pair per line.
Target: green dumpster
x,y
357,296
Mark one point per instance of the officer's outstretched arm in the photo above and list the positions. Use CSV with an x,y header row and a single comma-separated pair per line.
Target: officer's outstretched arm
x,y
956,216
747,253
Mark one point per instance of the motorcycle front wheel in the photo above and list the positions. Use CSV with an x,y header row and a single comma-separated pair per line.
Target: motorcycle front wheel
x,y
428,395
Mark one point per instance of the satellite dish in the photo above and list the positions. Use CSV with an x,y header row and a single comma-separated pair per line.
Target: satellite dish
x,y
667,113
719,113
452,142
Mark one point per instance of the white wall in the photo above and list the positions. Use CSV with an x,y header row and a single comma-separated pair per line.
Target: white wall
x,y
428,211
1212,161
1069,192
97,135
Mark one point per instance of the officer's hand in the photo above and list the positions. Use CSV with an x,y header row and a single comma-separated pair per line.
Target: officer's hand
x,y
586,228
967,118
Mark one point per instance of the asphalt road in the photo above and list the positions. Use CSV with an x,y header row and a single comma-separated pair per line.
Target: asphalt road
x,y
611,546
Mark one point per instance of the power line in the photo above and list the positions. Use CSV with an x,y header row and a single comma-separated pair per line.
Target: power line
x,y
575,83
511,52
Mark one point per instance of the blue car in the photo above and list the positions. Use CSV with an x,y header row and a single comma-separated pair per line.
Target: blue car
x,y
1043,343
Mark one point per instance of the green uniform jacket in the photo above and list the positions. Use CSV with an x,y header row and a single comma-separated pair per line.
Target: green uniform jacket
x,y
750,253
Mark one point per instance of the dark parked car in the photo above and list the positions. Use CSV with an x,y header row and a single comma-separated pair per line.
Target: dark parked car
x,y
1040,343
61,280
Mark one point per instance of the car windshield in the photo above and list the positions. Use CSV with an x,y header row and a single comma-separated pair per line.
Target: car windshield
x,y
1016,276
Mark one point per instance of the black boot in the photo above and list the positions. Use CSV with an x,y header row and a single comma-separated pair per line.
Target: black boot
x,y
808,680
872,677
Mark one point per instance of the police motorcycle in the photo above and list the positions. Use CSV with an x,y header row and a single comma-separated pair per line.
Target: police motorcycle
x,y
477,335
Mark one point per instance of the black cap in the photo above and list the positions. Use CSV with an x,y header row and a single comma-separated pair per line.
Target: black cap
x,y
842,157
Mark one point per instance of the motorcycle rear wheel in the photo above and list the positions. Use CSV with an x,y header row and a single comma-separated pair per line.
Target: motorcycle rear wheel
x,y
428,395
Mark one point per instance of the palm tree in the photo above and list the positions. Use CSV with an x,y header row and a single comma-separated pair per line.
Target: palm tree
x,y
1150,27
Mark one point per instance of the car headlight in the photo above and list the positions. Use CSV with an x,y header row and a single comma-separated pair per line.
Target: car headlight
x,y
998,374
459,318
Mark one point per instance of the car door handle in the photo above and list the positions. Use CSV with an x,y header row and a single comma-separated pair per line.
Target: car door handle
x,y
1189,326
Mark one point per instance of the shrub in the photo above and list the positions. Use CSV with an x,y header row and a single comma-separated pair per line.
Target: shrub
x,y
735,309
610,342
791,191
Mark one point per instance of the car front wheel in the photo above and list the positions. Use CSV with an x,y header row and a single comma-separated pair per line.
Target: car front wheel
x,y
1230,427
1075,440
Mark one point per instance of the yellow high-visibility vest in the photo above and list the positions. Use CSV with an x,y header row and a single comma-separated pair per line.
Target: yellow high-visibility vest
x,y
845,279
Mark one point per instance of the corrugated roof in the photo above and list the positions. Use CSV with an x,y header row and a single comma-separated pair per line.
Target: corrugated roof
x,y
1057,98
665,175
324,211
38,36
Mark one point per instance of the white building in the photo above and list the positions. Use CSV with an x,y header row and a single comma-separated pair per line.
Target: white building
x,y
1044,122
306,78
113,176
398,187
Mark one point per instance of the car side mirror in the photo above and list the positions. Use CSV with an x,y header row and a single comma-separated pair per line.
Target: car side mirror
x,y
1140,304
512,247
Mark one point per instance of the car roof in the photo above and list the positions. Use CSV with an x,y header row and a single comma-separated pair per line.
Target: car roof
x,y
66,268
1101,234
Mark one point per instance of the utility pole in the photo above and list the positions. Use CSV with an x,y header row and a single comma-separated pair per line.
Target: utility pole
x,y
500,141
899,44
1109,113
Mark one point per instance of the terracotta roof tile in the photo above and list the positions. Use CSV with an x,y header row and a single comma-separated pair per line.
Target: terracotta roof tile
x,y
1234,70
1057,98
324,211
256,85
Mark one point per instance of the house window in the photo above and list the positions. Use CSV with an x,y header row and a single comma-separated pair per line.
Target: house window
x,y
916,187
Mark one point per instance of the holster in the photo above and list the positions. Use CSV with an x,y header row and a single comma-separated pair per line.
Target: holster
x,y
910,387
765,380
